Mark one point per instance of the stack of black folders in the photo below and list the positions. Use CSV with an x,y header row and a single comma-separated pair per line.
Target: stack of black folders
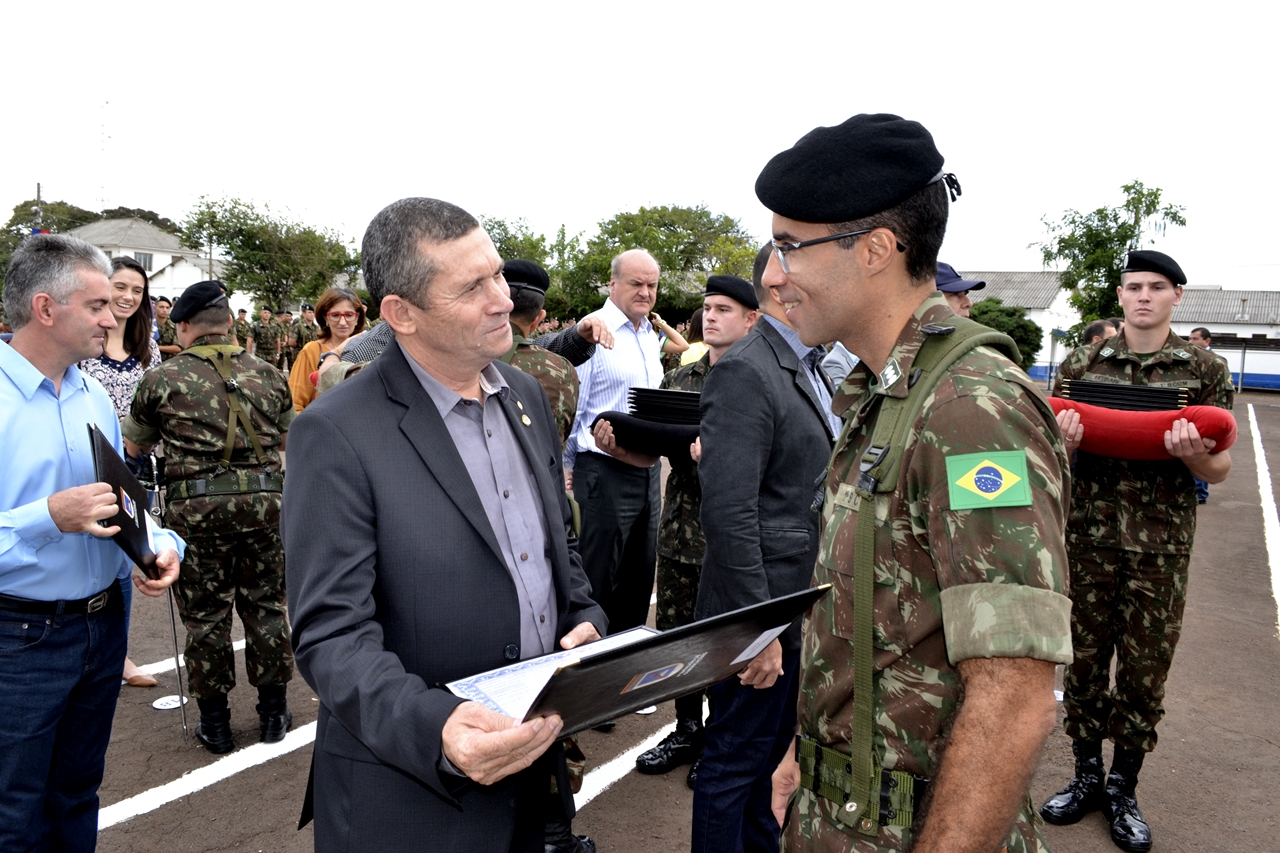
x,y
601,681
660,422
1130,398
135,537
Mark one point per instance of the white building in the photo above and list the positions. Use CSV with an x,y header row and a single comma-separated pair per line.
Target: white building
x,y
171,267
1046,302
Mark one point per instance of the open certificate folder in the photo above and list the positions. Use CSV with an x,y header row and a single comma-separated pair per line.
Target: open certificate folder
x,y
622,673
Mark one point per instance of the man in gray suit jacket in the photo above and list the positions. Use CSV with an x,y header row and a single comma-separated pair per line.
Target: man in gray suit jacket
x,y
766,433
427,535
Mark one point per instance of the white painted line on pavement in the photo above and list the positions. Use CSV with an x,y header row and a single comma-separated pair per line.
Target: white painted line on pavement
x,y
203,777
166,665
1270,518
599,780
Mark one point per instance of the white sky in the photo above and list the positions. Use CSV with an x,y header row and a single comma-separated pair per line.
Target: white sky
x,y
573,112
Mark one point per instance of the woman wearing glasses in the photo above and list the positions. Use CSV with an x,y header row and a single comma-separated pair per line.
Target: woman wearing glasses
x,y
340,314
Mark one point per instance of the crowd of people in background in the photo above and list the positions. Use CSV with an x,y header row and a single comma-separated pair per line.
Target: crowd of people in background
x,y
459,499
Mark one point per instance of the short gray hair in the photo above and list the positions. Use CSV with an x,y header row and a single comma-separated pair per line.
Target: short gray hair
x,y
47,263
391,255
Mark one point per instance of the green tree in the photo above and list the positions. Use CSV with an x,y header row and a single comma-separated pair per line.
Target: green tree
x,y
161,222
515,241
689,243
1092,247
275,259
57,217
1012,320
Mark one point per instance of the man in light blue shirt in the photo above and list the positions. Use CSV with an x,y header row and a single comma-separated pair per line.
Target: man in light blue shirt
x,y
621,503
64,589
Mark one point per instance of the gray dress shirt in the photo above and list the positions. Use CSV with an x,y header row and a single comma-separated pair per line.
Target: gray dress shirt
x,y
502,477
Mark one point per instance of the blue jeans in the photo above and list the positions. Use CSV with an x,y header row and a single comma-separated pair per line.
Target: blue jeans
x,y
59,681
747,733
1202,490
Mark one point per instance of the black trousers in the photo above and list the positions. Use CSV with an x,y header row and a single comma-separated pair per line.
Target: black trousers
x,y
621,505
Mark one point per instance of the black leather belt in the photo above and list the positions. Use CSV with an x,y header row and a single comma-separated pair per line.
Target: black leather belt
x,y
92,604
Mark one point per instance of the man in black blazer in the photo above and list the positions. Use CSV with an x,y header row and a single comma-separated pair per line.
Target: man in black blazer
x,y
766,434
427,535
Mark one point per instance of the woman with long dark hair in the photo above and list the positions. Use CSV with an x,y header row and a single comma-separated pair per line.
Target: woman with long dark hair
x,y
340,314
129,348
127,352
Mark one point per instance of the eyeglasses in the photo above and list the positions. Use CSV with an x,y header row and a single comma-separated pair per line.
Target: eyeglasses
x,y
781,249
342,315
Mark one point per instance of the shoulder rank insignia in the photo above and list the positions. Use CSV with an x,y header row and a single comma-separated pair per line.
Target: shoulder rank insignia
x,y
1107,353
891,373
1181,353
982,480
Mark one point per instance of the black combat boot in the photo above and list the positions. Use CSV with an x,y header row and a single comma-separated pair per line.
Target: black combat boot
x,y
682,746
559,837
1129,828
214,730
274,718
1084,793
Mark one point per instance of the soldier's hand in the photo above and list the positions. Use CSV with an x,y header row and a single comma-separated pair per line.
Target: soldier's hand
x,y
488,746
584,632
593,330
1072,429
764,668
568,480
79,509
785,781
1184,441
602,432
695,449
167,563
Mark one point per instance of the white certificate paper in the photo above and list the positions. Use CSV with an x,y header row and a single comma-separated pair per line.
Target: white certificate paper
x,y
512,689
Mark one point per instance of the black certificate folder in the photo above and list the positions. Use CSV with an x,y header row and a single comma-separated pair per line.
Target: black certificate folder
x,y
132,501
666,665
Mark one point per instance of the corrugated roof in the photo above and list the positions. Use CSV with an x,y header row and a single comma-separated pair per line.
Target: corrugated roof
x,y
1030,290
1221,307
132,233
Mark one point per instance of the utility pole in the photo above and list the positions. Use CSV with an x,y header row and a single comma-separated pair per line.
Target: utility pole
x,y
38,220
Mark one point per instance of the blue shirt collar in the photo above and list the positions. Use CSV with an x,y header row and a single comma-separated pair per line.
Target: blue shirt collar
x,y
27,379
791,336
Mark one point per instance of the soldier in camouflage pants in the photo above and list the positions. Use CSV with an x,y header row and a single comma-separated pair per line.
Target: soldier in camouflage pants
x,y
228,509
1129,536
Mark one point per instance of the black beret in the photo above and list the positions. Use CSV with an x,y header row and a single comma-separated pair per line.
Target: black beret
x,y
737,289
648,437
242,311
196,298
166,300
264,308
526,274
856,169
1148,260
308,307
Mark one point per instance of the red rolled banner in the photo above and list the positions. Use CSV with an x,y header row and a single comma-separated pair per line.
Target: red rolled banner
x,y
1140,435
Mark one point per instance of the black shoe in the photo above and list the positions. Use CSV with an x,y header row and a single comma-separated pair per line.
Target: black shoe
x,y
273,725
1129,829
1084,793
683,746
214,732
576,844
692,779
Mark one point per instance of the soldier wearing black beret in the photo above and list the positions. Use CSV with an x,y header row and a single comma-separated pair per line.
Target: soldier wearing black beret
x,y
964,581
1129,536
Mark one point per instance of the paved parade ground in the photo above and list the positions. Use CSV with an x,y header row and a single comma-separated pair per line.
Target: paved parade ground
x,y
1212,783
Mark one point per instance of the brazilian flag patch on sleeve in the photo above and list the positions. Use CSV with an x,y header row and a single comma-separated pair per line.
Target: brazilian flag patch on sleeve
x,y
982,480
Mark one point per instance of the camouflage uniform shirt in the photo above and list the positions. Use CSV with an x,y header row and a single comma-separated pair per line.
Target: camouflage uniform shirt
x,y
554,373
1137,505
184,401
680,530
302,333
168,337
265,336
242,330
950,584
